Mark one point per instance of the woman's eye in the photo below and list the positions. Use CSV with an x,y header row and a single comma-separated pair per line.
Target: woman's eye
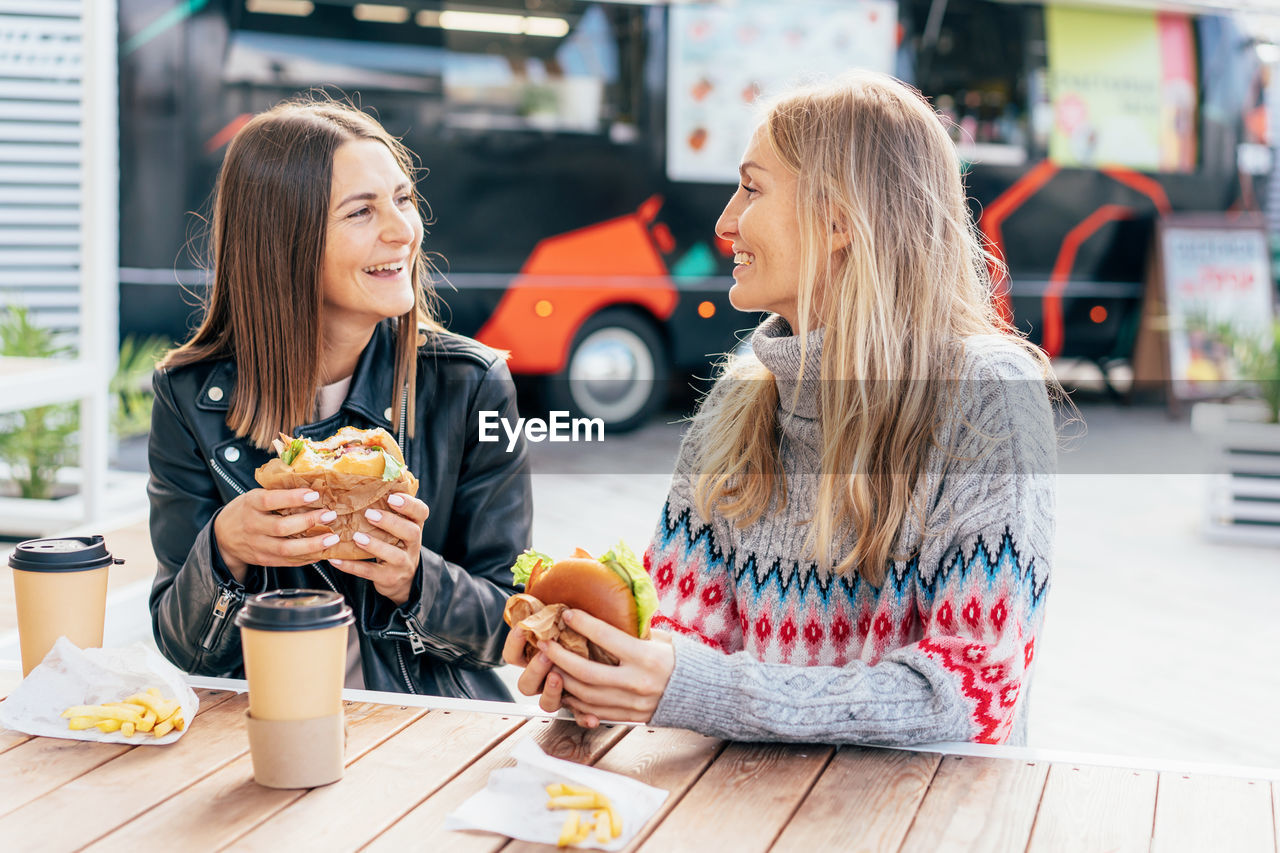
x,y
404,199
748,189
364,211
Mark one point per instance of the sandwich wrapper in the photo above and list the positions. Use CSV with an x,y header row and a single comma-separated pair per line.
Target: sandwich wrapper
x,y
73,676
514,803
349,495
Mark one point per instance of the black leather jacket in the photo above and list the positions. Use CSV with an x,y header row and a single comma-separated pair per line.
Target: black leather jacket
x,y
448,636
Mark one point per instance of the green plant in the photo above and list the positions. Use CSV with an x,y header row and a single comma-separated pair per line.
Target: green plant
x,y
130,385
35,443
1258,357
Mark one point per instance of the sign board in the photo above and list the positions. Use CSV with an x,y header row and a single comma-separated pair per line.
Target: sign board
x,y
1216,277
723,58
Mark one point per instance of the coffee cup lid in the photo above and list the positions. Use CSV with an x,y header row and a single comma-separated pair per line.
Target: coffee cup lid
x,y
67,554
294,610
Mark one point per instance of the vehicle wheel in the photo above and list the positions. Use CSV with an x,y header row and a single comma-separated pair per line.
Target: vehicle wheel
x,y
617,371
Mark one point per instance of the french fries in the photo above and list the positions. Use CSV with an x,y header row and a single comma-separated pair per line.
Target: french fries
x,y
143,712
590,813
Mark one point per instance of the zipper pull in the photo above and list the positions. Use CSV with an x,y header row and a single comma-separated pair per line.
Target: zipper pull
x,y
225,598
415,642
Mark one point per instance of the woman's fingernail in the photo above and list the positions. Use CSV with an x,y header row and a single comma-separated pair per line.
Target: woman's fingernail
x,y
332,539
543,660
333,562
311,496
567,615
395,500
328,515
373,515
361,539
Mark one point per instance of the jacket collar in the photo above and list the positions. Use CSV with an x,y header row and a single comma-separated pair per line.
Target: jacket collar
x,y
370,394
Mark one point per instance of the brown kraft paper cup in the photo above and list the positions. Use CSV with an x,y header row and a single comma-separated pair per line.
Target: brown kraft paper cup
x,y
295,647
60,590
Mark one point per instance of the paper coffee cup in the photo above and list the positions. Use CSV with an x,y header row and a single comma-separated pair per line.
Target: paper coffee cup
x,y
295,653
60,587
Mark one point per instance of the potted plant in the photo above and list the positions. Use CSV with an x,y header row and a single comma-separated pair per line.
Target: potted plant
x,y
35,443
39,446
1245,499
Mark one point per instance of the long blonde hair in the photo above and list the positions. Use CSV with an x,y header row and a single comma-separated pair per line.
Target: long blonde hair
x,y
871,156
270,211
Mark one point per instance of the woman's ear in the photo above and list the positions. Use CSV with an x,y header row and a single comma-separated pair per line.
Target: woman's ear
x,y
841,235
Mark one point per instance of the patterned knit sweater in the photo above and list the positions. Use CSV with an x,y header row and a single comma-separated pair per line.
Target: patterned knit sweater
x,y
771,646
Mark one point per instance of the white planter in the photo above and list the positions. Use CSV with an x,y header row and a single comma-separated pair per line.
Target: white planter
x,y
27,518
1244,496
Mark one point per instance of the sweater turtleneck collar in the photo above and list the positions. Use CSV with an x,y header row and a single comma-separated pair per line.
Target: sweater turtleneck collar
x,y
778,349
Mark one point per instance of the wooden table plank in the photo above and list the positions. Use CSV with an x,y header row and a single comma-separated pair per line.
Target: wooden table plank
x,y
978,804
383,785
422,828
751,789
42,764
866,799
116,792
227,804
1095,808
1196,813
9,739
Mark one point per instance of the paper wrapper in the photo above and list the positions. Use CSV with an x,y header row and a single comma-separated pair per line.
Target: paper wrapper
x,y
545,622
349,495
72,676
514,803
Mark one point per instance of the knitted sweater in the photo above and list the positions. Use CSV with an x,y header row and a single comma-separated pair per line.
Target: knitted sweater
x,y
771,646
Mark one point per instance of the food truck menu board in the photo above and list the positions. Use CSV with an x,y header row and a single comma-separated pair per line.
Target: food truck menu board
x,y
723,58
1217,285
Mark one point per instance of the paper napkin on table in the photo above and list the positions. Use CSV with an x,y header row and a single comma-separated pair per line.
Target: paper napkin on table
x,y
514,802
72,676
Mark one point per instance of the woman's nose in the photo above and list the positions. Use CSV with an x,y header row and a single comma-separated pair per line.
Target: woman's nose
x,y
400,227
727,224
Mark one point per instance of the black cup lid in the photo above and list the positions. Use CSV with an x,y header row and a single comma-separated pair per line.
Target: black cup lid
x,y
294,610
68,554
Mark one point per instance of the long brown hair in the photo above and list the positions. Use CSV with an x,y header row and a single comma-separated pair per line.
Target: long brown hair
x,y
911,286
270,211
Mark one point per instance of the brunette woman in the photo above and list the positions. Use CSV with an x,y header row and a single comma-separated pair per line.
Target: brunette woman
x,y
320,317
856,544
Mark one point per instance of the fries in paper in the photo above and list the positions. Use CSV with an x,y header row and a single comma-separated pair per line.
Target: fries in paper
x,y
590,814
146,712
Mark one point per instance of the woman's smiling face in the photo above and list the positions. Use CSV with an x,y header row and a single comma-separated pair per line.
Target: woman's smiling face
x,y
373,238
762,224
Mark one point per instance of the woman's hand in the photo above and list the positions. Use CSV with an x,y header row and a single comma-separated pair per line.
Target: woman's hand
x,y
628,692
250,532
393,567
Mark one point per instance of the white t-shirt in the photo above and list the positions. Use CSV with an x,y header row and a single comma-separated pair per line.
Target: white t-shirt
x,y
329,400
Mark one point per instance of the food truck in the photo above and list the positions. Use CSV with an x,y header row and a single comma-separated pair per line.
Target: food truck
x,y
577,154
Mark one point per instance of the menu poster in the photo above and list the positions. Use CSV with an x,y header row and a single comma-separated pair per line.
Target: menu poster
x,y
1123,86
721,59
1217,282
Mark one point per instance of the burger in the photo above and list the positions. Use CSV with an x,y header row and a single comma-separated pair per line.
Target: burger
x,y
353,470
613,588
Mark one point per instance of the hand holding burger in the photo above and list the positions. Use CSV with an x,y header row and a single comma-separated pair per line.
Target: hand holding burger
x,y
353,470
614,588
588,646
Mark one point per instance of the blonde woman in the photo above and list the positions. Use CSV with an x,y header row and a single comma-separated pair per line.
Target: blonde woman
x,y
856,542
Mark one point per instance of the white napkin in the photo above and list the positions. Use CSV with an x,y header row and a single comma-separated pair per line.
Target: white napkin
x,y
72,676
514,802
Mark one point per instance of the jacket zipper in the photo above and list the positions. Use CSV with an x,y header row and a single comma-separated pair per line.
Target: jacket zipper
x,y
415,641
224,475
219,622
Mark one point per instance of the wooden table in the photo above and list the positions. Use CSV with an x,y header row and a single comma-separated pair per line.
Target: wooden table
x,y
409,766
